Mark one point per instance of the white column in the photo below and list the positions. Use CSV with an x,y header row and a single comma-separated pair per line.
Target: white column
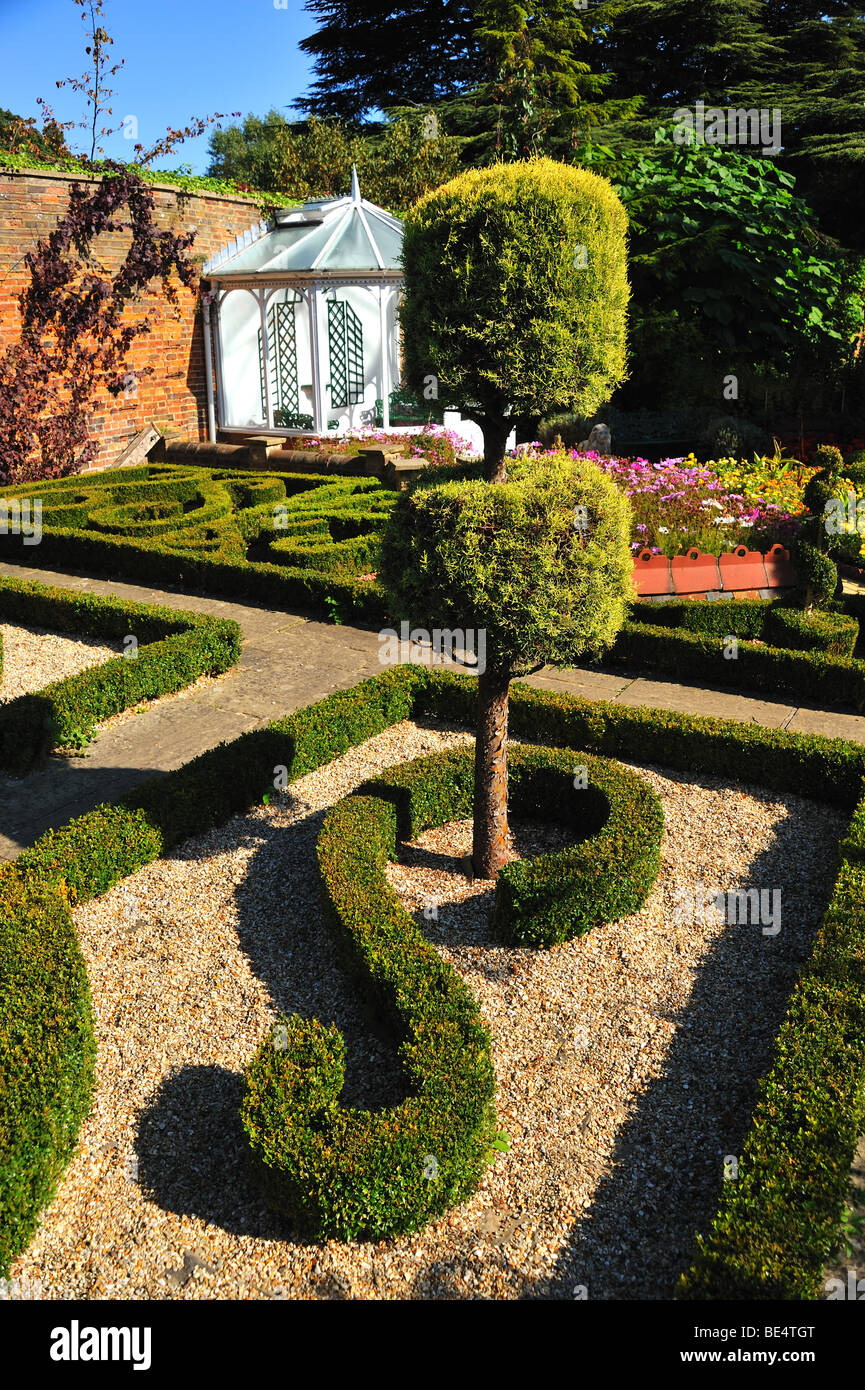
x,y
319,415
207,301
221,398
265,352
385,360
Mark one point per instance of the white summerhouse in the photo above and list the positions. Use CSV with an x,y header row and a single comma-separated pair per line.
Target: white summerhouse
x,y
301,320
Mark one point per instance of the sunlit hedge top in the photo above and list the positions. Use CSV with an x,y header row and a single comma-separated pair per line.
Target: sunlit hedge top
x,y
542,562
516,288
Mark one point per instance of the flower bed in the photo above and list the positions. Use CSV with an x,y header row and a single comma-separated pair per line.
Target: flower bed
x,y
431,441
679,503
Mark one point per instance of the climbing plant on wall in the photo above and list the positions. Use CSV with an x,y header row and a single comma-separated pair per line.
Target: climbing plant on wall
x,y
78,324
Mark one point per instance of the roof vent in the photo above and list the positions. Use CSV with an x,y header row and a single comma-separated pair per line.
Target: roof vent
x,y
299,218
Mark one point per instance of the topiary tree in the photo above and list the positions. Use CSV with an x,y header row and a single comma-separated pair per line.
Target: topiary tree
x,y
516,295
816,573
540,564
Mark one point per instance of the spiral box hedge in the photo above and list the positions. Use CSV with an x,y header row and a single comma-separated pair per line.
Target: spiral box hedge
x,y
347,1173
775,1227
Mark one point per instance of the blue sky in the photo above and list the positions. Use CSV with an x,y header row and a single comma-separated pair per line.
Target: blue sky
x,y
184,58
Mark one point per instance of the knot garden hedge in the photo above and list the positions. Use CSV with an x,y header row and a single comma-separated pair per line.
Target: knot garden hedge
x,y
775,1226
281,538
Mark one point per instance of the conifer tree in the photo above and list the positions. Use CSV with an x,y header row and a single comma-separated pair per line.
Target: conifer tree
x,y
819,85
374,54
675,52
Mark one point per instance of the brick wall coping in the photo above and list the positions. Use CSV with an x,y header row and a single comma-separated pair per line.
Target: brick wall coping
x,y
66,176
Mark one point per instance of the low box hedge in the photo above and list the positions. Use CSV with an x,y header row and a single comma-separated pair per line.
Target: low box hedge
x,y
47,1051
767,620
350,1174
811,1102
174,648
287,539
615,817
690,640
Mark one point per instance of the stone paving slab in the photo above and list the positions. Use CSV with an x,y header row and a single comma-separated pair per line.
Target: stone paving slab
x,y
720,704
829,722
589,685
289,661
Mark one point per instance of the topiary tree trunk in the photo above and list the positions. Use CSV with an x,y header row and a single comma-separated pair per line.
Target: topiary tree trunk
x,y
516,299
496,430
490,846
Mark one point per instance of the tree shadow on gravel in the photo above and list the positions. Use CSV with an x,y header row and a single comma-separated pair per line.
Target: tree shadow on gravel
x,y
665,1177
666,1174
191,1149
193,1156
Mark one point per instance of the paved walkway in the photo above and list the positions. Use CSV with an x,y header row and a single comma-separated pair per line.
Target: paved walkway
x,y
289,661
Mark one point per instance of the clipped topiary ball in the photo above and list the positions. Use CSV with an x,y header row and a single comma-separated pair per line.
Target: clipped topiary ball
x,y
516,294
542,563
815,572
829,458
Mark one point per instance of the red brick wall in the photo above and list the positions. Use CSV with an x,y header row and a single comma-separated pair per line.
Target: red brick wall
x,y
31,202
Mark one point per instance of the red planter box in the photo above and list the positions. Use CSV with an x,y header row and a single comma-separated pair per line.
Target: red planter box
x,y
652,574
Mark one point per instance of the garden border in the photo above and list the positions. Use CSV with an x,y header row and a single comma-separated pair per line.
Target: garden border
x,y
827,678
775,1226
322,578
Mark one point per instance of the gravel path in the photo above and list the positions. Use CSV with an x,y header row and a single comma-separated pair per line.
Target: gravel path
x,y
33,657
626,1060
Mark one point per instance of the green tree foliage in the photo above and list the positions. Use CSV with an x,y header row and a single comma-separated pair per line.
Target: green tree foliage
x,y
675,51
729,276
542,85
372,54
819,84
804,57
516,294
511,79
508,79
21,135
397,162
541,564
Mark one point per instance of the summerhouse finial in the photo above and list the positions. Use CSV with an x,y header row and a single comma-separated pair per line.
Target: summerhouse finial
x,y
355,184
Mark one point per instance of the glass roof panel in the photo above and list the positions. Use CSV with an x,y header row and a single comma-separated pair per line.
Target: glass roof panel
x,y
389,242
287,248
298,246
352,249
